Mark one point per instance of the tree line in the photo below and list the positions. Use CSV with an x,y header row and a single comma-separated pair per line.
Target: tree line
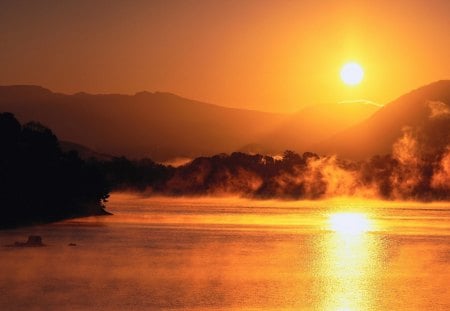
x,y
39,182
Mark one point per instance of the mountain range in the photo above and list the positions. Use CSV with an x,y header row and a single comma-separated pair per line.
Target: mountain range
x,y
164,126
426,108
156,125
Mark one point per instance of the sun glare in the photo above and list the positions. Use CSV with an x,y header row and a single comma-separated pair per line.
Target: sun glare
x,y
349,223
352,73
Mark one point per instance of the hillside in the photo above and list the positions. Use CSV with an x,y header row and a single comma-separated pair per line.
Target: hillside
x,y
157,125
164,126
314,123
424,109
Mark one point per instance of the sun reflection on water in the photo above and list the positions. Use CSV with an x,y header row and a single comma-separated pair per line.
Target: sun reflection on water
x,y
350,223
350,262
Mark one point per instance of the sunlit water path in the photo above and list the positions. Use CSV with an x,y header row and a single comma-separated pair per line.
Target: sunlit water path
x,y
233,254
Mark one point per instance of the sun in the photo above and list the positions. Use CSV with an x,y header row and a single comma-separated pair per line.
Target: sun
x,y
352,73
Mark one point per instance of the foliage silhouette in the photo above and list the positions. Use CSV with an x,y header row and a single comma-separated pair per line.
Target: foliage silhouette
x,y
294,176
40,183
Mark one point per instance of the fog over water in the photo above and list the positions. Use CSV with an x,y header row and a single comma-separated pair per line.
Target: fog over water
x,y
234,254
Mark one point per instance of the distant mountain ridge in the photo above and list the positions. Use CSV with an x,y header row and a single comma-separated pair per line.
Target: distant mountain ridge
x,y
157,125
314,123
165,126
377,134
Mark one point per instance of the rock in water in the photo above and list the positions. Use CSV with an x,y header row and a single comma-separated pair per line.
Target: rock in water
x,y
33,241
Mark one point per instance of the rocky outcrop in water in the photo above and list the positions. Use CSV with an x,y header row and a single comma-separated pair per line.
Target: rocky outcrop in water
x,y
33,241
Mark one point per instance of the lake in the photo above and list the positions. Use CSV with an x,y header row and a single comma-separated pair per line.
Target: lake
x,y
234,254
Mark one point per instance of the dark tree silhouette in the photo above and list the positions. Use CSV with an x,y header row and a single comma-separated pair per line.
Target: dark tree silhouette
x,y
40,183
294,176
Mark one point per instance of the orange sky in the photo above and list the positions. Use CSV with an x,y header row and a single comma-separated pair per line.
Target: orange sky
x,y
265,55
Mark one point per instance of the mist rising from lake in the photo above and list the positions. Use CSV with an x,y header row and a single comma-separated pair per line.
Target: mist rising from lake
x,y
234,254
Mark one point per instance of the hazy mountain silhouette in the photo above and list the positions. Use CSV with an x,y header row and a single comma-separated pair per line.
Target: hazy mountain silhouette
x,y
156,125
302,130
163,126
84,152
426,110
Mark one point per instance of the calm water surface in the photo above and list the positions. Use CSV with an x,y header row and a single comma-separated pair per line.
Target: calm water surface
x,y
227,254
